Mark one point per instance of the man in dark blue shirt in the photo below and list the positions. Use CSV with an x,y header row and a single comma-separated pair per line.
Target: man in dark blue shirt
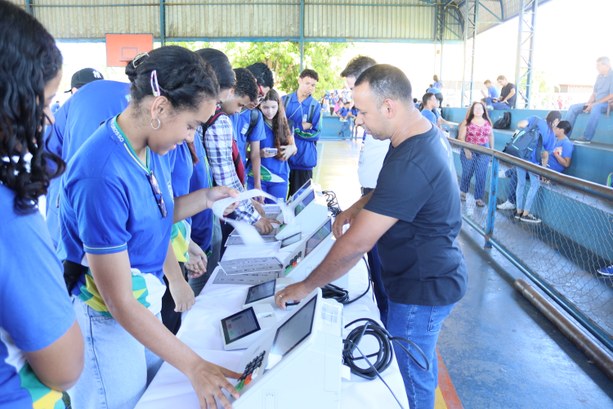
x,y
414,215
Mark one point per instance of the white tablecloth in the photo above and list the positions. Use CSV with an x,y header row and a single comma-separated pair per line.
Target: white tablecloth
x,y
200,331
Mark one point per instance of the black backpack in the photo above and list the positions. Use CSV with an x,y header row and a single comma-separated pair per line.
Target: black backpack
x,y
504,122
524,142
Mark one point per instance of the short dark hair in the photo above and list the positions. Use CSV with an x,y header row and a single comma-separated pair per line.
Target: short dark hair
x,y
565,126
307,72
501,77
426,98
387,81
357,65
183,77
220,64
262,74
552,116
246,85
30,59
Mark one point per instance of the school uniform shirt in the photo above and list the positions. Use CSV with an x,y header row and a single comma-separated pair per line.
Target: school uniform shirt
x,y
565,148
182,168
202,223
240,123
306,141
430,116
371,159
547,135
35,310
272,169
108,206
75,121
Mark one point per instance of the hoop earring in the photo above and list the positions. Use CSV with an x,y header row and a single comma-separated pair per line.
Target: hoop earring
x,y
157,122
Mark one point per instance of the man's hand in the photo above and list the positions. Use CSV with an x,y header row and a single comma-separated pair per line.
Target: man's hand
x,y
208,380
343,218
264,225
182,294
292,293
306,126
288,150
196,265
468,154
258,207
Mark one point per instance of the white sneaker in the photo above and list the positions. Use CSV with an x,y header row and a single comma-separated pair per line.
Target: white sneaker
x,y
506,206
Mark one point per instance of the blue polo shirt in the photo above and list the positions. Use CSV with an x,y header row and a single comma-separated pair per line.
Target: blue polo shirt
x,y
75,121
240,123
108,205
35,310
202,223
565,146
296,112
547,134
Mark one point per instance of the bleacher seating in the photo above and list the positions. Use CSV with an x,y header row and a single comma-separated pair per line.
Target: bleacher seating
x,y
590,162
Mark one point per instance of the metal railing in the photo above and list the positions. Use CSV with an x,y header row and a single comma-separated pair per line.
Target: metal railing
x,y
562,249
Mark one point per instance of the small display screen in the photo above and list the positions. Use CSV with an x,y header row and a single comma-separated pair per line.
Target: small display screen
x,y
239,325
301,190
295,330
261,291
317,237
305,202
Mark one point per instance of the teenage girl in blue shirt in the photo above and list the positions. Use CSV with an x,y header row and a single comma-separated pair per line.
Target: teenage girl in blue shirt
x,y
274,169
41,348
117,210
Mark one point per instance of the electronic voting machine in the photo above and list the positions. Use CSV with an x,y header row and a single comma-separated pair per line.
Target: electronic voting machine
x,y
298,364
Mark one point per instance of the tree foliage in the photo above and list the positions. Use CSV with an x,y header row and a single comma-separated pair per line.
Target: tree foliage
x,y
284,59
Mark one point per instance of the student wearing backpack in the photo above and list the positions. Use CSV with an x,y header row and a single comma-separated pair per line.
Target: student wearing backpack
x,y
475,129
538,156
303,115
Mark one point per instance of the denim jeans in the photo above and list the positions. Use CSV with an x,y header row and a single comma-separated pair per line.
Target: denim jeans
x,y
422,325
512,175
117,367
503,106
477,166
535,183
592,121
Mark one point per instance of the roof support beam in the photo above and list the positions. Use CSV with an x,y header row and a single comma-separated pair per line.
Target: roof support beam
x,y
525,49
471,16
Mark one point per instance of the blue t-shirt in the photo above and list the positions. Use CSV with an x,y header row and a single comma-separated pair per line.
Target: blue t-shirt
x,y
240,123
492,92
75,121
108,205
272,169
547,134
202,223
565,147
310,111
35,310
421,261
343,112
430,116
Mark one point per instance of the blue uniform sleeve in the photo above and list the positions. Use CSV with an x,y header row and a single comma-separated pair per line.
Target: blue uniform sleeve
x,y
101,208
34,305
567,149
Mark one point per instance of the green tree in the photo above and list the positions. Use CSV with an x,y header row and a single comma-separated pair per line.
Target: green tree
x,y
284,59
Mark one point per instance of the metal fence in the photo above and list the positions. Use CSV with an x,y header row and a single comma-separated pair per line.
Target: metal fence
x,y
565,243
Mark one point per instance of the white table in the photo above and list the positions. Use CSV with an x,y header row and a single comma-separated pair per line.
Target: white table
x,y
200,331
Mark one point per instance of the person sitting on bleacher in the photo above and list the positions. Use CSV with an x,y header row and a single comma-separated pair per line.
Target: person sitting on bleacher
x,y
508,94
562,153
489,93
598,102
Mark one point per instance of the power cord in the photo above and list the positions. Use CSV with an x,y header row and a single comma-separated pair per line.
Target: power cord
x,y
340,294
332,202
383,357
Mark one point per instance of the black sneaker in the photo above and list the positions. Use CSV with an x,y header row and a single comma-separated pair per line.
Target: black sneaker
x,y
517,216
530,218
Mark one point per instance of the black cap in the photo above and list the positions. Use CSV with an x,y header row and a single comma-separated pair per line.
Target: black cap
x,y
84,76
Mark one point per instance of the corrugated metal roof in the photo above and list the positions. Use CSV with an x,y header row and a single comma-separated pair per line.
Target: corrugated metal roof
x,y
338,20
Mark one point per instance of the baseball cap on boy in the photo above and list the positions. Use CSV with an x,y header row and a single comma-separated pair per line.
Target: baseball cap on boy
x,y
84,76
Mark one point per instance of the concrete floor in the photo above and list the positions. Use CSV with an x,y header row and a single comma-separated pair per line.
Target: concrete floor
x,y
499,350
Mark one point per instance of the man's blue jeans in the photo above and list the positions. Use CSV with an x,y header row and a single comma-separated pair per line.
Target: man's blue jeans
x,y
420,324
592,122
478,166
